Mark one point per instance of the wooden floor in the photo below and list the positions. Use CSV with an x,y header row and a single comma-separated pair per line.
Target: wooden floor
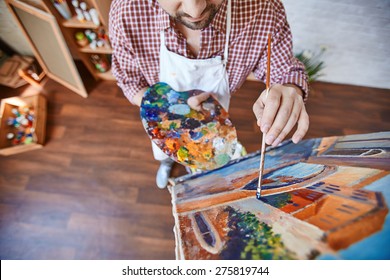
x,y
90,192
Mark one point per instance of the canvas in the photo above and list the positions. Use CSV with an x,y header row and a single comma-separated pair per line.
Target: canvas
x,y
324,198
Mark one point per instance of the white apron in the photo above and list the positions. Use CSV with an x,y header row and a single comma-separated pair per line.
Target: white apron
x,y
184,74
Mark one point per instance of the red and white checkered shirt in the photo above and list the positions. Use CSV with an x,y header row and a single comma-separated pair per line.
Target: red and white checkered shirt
x,y
135,27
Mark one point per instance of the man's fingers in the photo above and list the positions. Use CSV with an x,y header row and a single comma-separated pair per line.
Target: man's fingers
x,y
279,112
283,115
258,108
270,110
303,126
292,120
195,102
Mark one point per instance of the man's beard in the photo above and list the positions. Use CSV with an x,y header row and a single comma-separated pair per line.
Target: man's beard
x,y
211,10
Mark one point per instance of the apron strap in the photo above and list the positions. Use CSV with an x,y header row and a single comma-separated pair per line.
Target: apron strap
x,y
162,38
228,28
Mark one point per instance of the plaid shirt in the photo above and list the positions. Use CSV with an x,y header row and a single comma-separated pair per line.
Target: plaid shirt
x,y
135,27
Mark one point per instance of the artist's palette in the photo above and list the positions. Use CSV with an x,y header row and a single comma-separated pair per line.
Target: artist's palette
x,y
204,139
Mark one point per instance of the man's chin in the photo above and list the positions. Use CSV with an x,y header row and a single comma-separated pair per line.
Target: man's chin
x,y
195,25
210,11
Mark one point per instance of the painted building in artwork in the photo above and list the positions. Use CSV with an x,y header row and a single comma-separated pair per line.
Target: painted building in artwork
x,y
315,202
344,215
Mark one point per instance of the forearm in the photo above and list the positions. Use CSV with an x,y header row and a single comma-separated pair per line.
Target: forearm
x,y
137,98
125,68
286,69
296,76
130,80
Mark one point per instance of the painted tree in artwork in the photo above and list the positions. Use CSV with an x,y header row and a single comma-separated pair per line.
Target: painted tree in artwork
x,y
250,239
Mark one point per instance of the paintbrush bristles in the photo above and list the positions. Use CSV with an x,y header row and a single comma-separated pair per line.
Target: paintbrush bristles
x,y
262,155
261,167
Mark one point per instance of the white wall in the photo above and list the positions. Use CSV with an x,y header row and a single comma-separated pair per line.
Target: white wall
x,y
356,34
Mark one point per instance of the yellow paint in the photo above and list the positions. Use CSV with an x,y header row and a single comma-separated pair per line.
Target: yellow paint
x,y
167,124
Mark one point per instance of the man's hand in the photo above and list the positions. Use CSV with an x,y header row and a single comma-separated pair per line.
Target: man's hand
x,y
195,102
277,115
137,99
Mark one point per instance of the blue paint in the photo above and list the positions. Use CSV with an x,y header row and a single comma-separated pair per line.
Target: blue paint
x,y
173,134
195,135
286,152
152,114
179,109
298,172
173,96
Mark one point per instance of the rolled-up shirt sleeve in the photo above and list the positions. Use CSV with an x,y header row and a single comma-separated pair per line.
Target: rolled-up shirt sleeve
x,y
124,63
285,68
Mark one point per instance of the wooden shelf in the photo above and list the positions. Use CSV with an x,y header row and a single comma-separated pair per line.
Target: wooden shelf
x,y
106,76
75,23
101,50
71,26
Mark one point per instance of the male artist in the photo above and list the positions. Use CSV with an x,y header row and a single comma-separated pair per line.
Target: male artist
x,y
211,45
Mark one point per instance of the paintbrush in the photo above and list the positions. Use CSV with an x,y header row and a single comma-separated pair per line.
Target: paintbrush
x,y
267,85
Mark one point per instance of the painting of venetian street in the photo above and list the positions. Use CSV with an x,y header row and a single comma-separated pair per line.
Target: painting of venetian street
x,y
324,198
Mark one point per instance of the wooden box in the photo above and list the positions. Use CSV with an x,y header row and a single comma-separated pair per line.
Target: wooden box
x,y
38,104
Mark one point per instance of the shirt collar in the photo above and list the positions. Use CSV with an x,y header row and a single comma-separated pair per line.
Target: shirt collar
x,y
218,22
164,20
163,17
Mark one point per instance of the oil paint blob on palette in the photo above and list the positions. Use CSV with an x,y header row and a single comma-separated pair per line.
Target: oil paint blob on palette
x,y
204,139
